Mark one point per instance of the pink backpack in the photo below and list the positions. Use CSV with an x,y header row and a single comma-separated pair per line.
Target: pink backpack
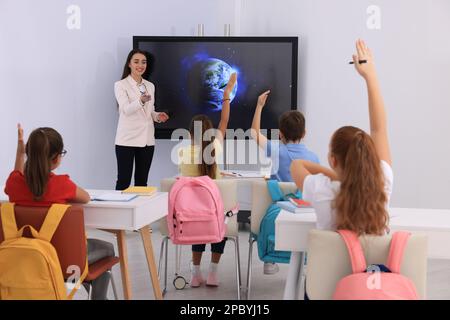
x,y
386,283
196,213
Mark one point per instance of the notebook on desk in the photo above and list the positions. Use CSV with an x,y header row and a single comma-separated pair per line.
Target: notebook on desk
x,y
244,174
113,196
142,191
289,206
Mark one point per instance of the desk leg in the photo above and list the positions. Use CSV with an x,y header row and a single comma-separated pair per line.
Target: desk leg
x,y
123,255
147,241
294,277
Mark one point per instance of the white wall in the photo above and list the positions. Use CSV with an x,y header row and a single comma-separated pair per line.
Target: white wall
x,y
51,76
412,50
64,79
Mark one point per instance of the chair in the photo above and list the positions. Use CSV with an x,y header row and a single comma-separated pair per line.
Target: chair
x,y
228,191
329,262
69,241
261,200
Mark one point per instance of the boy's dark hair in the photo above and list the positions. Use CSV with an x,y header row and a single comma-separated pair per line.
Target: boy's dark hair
x,y
292,125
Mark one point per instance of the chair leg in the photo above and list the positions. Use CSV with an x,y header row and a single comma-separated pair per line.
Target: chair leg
x,y
249,266
89,290
165,266
238,271
113,284
161,252
239,261
163,255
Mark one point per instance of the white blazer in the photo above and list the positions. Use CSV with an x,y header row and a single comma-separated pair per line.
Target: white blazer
x,y
135,127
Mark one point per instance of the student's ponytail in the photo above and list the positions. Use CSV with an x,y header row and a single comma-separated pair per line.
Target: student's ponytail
x,y
208,166
361,202
43,146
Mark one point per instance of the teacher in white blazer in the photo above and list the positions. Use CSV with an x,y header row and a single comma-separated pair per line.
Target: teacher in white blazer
x,y
135,137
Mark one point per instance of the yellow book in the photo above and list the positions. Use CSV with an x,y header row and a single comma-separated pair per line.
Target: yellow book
x,y
143,191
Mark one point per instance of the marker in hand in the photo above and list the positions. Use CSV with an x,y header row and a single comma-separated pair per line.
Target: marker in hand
x,y
360,62
142,89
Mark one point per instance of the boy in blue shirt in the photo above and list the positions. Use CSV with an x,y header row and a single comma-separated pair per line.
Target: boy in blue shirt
x,y
282,152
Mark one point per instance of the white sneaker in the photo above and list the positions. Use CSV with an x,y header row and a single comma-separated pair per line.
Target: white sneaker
x,y
271,268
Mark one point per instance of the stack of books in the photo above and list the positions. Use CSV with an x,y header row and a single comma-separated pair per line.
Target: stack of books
x,y
296,206
141,191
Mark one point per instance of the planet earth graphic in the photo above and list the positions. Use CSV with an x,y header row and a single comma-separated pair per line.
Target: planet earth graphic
x,y
207,81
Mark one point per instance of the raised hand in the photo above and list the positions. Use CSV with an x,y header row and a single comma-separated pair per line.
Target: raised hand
x,y
366,70
262,99
230,85
20,142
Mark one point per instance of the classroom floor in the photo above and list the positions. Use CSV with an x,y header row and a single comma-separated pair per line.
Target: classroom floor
x,y
264,287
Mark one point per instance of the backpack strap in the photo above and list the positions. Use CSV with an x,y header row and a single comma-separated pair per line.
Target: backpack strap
x,y
52,220
397,250
355,250
8,221
275,191
80,281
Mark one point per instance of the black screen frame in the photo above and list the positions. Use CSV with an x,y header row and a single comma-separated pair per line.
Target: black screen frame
x,y
165,133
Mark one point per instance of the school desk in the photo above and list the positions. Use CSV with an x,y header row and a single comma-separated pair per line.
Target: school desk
x,y
291,234
119,217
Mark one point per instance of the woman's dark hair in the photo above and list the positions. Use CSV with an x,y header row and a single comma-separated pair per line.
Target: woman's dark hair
x,y
207,168
43,146
126,68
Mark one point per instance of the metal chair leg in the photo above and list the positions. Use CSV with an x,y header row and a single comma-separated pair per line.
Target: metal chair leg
x,y
249,266
238,281
161,252
165,265
113,284
163,255
239,261
89,290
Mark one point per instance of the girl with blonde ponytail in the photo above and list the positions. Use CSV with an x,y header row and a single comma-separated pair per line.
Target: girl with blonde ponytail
x,y
354,194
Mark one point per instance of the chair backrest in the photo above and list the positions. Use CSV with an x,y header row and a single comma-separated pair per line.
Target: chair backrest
x,y
329,262
228,191
261,200
69,239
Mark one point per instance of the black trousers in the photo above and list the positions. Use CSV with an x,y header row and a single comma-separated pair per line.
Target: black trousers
x,y
215,247
126,156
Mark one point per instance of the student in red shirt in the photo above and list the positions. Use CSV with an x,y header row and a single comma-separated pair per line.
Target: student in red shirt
x,y
32,183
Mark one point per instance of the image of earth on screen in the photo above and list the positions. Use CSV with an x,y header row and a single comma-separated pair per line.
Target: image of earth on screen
x,y
190,78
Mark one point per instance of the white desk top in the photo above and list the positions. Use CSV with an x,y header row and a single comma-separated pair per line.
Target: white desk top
x,y
130,215
133,203
409,219
291,230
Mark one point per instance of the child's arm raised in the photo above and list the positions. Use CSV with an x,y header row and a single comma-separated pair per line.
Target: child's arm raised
x,y
225,114
377,113
300,169
261,140
20,155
